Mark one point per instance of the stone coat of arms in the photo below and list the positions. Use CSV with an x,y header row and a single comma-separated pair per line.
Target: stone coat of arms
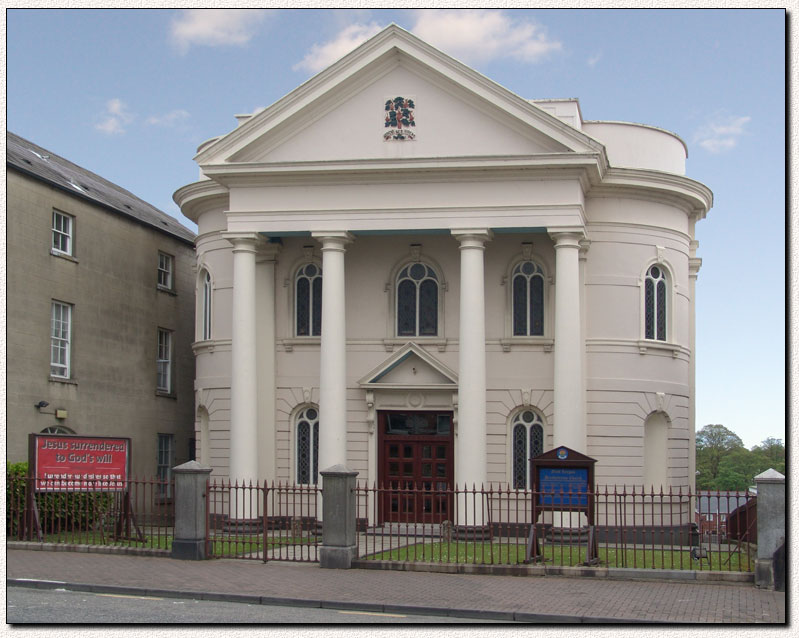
x,y
399,119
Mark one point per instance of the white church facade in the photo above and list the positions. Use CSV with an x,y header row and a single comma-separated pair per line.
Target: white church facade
x,y
406,269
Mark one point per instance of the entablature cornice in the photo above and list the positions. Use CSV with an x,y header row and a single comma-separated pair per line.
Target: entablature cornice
x,y
692,196
199,197
581,166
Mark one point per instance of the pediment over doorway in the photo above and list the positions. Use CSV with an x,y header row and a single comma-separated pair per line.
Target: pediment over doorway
x,y
411,367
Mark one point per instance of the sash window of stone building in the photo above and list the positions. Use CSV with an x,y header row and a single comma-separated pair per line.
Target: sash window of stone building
x,y
60,339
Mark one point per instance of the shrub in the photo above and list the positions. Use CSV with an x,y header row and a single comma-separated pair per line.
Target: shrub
x,y
58,511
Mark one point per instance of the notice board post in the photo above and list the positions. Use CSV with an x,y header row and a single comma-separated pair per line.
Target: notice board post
x,y
563,482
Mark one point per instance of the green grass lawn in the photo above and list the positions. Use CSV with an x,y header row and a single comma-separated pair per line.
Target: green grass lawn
x,y
564,555
226,545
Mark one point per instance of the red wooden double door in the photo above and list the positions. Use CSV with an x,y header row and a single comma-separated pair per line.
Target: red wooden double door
x,y
415,466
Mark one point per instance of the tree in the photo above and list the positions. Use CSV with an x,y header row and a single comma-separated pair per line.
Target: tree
x,y
770,454
713,443
737,470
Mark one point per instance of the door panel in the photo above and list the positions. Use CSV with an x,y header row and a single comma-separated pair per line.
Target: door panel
x,y
415,466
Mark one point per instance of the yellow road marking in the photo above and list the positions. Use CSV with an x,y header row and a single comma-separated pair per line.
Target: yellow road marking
x,y
372,613
126,596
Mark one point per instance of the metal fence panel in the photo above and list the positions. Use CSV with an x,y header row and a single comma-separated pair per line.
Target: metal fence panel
x,y
263,521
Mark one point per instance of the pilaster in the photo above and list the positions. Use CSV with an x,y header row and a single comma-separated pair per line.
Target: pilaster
x,y
266,260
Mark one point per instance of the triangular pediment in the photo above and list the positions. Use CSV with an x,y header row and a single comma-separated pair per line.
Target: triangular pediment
x,y
410,367
339,114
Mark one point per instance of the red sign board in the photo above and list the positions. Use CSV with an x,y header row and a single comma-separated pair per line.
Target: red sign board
x,y
79,463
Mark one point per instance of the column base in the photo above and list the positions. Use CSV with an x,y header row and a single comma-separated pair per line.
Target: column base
x,y
332,557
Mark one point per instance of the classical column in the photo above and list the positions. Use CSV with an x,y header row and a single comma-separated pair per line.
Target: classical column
x,y
333,352
470,453
569,418
243,379
265,311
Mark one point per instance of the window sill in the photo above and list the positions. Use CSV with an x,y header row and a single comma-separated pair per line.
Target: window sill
x,y
168,291
166,395
288,344
645,345
545,342
55,253
391,344
63,380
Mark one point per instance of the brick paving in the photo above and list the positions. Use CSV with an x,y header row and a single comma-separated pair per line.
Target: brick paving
x,y
526,598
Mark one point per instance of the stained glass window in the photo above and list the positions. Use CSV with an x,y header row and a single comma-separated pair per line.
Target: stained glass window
x,y
308,301
528,299
417,301
308,446
655,304
527,442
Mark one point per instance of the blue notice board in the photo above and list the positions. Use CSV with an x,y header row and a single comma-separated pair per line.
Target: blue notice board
x,y
563,486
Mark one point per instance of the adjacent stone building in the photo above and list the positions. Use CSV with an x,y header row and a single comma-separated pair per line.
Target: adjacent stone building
x,y
406,269
100,312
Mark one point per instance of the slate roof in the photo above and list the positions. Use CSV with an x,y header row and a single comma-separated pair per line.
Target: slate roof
x,y
719,502
41,164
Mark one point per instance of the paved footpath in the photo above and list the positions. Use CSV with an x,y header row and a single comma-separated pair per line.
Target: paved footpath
x,y
528,599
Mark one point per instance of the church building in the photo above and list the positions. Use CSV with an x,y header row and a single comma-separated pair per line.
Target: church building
x,y
407,269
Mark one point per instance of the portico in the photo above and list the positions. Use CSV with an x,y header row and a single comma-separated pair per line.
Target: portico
x,y
508,279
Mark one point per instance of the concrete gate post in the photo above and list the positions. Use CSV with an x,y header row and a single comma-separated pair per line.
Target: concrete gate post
x,y
770,527
339,543
190,511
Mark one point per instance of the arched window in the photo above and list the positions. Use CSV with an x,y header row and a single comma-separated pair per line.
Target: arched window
x,y
527,436
308,446
206,305
308,301
528,299
58,429
417,301
655,289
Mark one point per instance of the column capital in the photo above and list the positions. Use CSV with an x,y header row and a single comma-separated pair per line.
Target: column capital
x,y
243,241
566,236
332,239
472,237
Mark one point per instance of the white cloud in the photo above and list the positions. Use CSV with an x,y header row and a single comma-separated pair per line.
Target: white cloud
x,y
172,118
115,119
482,35
323,55
722,133
215,27
594,59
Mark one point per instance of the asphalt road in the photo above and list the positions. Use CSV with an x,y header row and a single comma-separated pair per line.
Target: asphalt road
x,y
59,606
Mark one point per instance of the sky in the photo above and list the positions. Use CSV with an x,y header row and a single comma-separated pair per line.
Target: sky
x,y
130,94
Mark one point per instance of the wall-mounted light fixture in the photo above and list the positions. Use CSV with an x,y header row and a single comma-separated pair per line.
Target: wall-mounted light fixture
x,y
41,404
